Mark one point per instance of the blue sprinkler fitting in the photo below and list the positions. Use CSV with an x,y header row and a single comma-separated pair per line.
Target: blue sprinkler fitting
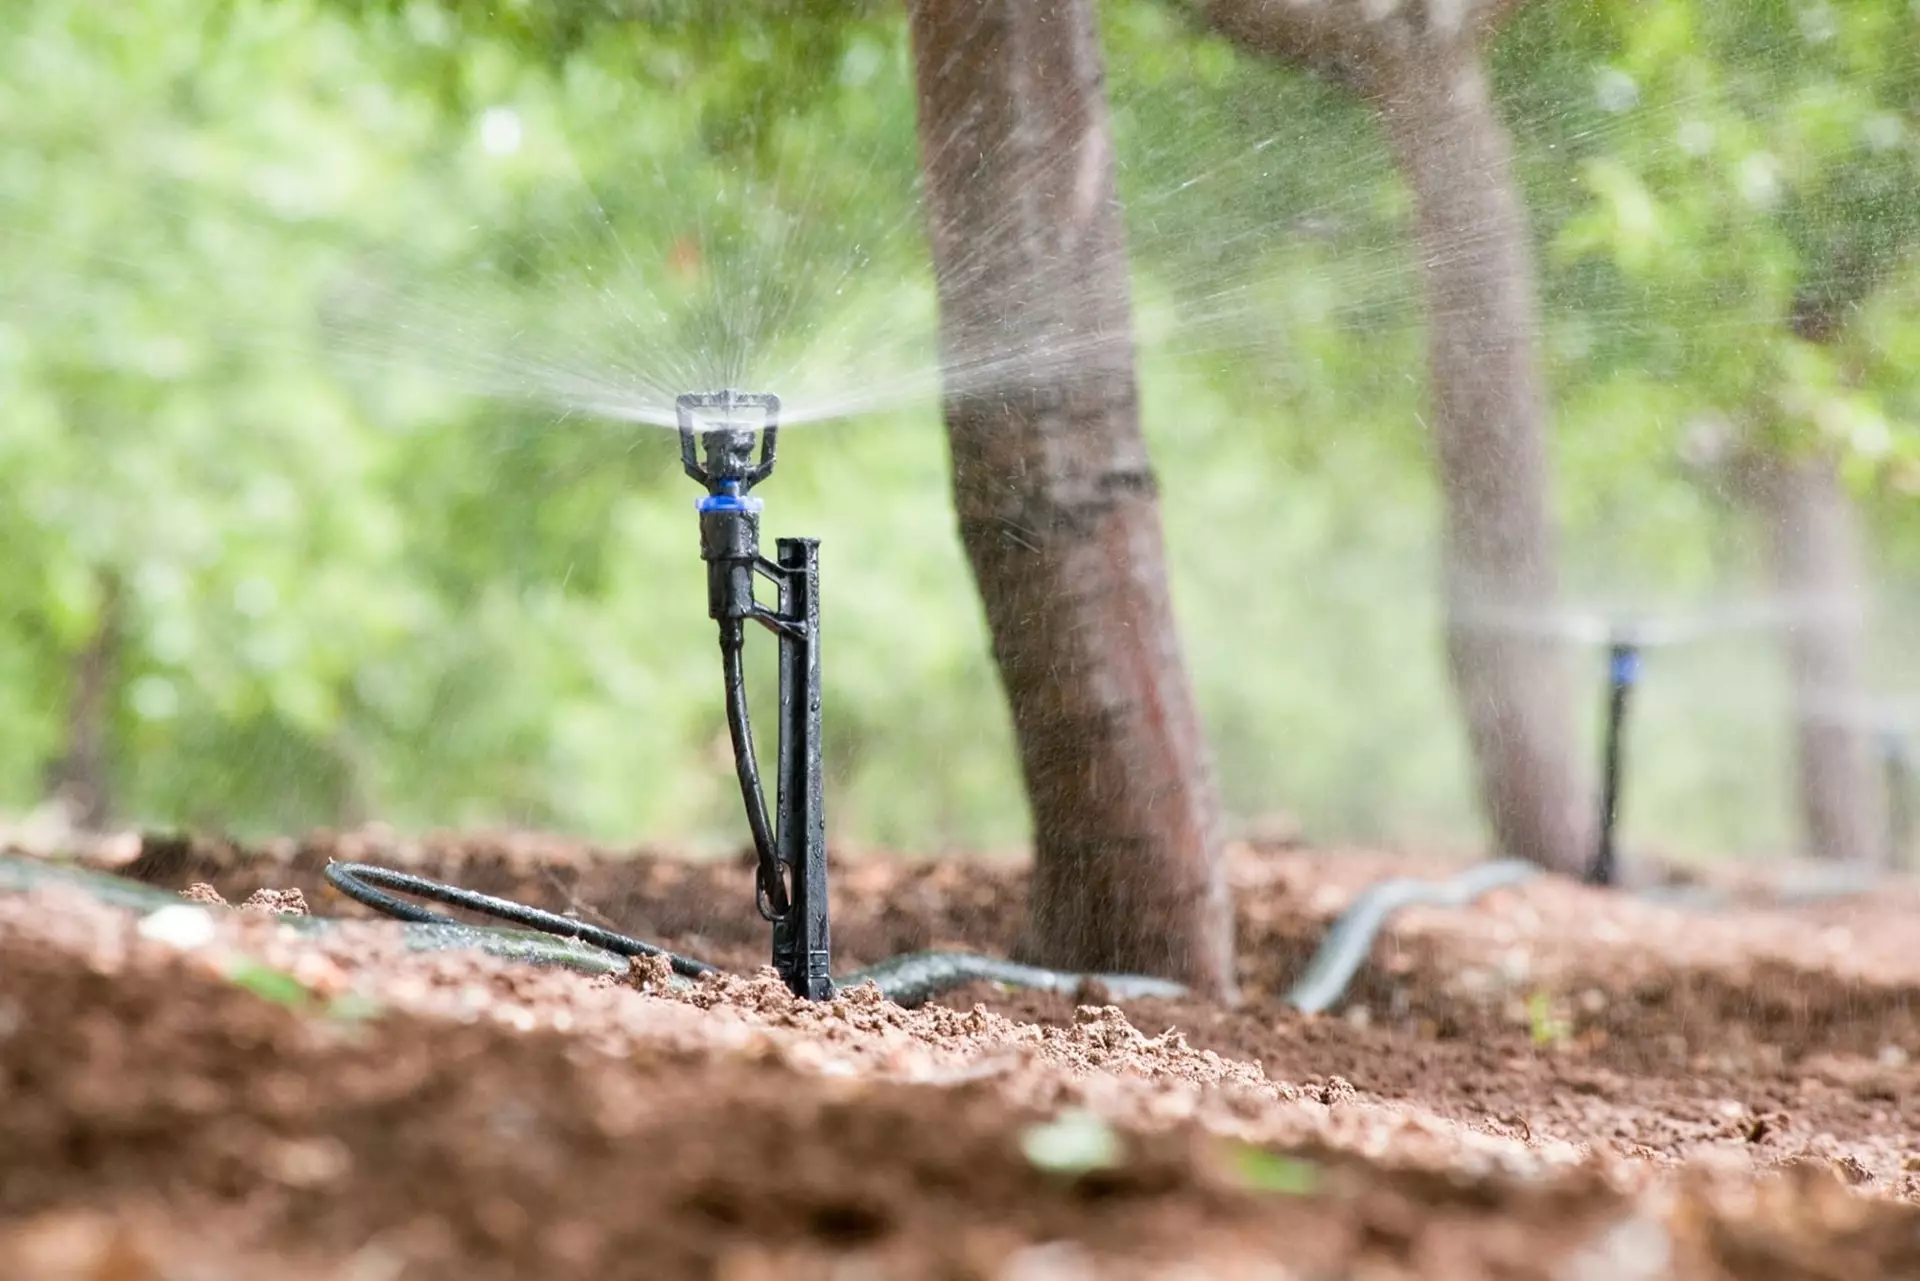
x,y
1623,672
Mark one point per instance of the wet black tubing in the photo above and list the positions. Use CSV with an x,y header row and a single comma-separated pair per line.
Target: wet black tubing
x,y
772,880
357,882
908,980
918,977
1349,941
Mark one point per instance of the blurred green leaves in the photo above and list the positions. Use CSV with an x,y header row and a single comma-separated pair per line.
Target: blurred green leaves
x,y
259,256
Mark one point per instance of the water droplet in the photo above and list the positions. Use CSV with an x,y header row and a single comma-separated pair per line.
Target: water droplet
x,y
155,699
1883,131
500,131
254,596
1616,90
1818,23
1759,179
180,926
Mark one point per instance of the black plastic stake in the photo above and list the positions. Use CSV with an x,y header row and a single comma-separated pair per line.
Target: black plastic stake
x,y
802,947
790,883
1623,671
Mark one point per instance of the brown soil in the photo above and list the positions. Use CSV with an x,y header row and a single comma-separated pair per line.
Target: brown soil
x,y
1556,1083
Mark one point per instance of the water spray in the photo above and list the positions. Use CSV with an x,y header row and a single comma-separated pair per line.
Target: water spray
x,y
790,880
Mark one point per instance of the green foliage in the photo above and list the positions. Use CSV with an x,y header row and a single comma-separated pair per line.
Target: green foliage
x,y
282,988
262,254
1763,167
269,984
1265,1171
1545,1024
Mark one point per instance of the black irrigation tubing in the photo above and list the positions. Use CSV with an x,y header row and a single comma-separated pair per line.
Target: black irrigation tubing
x,y
912,979
1349,941
358,881
918,977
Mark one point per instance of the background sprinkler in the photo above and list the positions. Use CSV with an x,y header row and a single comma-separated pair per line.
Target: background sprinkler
x,y
1626,640
1623,673
790,882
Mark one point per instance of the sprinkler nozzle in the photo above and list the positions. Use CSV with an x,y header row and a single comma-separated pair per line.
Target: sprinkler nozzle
x,y
720,426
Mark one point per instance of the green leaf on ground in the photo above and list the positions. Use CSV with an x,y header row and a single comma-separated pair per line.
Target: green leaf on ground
x,y
1265,1171
1074,1142
353,1007
274,985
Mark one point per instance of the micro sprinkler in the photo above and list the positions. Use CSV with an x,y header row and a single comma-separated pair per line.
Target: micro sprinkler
x,y
1623,673
717,449
790,883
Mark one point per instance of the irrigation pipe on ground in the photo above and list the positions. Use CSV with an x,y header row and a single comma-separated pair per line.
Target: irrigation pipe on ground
x,y
918,977
550,939
1349,941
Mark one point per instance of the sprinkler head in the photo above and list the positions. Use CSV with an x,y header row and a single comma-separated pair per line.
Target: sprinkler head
x,y
721,426
716,438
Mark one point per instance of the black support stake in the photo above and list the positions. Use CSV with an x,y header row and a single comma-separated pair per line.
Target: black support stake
x,y
802,946
1623,671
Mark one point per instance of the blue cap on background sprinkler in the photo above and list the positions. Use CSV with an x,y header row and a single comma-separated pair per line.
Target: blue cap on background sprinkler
x,y
1624,663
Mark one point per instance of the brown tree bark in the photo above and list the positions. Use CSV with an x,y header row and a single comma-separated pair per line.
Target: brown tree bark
x,y
1053,489
1420,67
1814,537
1817,558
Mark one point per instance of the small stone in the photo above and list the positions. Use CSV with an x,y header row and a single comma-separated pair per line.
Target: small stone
x,y
182,926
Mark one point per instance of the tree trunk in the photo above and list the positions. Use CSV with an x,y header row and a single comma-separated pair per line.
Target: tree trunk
x,y
78,781
1420,68
1816,550
1489,431
1055,496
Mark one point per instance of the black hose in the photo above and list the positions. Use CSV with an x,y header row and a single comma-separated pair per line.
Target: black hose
x,y
917,977
1349,941
357,882
909,980
772,881
906,980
